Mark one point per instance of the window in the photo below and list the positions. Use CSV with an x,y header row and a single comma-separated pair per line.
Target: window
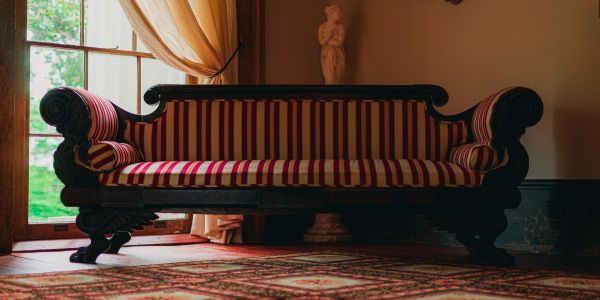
x,y
87,44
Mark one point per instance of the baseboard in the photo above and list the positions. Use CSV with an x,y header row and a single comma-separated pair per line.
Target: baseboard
x,y
556,184
555,216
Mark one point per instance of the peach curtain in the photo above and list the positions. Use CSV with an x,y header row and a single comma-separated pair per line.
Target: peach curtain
x,y
197,37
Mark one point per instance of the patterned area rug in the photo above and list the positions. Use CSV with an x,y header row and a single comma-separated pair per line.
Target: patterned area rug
x,y
322,275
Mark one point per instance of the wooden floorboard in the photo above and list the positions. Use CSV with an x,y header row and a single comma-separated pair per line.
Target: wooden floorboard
x,y
52,261
10,265
71,244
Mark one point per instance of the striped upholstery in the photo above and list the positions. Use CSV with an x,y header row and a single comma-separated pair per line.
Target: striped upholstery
x,y
295,129
297,173
482,118
106,156
104,120
478,157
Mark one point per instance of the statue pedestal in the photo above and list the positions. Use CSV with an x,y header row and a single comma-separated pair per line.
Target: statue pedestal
x,y
328,228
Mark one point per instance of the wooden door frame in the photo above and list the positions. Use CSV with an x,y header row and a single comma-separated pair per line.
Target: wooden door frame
x,y
21,123
251,62
8,132
251,58
14,123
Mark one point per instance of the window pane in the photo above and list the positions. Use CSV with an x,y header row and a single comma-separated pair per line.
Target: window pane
x,y
50,68
106,25
156,72
44,186
55,21
141,47
114,77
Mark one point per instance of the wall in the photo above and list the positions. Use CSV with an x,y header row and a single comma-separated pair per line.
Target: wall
x,y
472,49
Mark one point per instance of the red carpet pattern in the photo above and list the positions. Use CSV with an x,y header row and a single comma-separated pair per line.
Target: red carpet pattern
x,y
322,275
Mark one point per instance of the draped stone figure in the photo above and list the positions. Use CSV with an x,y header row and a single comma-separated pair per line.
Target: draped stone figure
x,y
329,228
331,37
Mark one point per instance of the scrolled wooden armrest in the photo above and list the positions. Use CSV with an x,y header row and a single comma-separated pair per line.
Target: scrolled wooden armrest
x,y
503,116
516,109
82,118
500,121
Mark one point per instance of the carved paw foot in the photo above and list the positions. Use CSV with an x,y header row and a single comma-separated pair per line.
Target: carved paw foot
x,y
89,254
97,222
117,241
492,257
477,230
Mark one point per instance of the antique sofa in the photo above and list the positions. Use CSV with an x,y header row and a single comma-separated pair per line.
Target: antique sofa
x,y
292,149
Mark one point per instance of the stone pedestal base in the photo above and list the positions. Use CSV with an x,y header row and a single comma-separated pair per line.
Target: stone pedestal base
x,y
328,228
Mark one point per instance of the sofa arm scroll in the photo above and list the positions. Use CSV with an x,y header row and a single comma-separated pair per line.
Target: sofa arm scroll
x,y
499,121
504,116
83,118
79,114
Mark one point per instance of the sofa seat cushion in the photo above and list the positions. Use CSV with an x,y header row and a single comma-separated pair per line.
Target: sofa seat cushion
x,y
296,173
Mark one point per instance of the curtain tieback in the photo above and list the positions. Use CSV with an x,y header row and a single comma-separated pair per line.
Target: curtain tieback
x,y
237,48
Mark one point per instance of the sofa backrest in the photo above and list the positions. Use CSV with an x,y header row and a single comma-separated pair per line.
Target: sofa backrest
x,y
215,129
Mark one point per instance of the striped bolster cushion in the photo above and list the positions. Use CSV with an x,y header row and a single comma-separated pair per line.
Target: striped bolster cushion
x,y
103,116
106,156
475,156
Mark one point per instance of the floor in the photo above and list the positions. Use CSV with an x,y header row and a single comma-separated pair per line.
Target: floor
x,y
27,261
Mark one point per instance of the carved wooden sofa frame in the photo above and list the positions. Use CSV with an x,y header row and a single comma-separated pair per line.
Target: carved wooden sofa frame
x,y
475,214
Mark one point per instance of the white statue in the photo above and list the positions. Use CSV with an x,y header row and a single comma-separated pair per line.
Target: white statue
x,y
331,37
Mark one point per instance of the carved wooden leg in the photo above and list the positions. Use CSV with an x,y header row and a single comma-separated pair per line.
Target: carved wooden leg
x,y
98,222
117,241
89,254
477,231
480,242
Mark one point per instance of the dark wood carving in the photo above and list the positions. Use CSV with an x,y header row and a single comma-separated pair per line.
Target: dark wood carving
x,y
98,222
476,215
64,109
250,18
516,110
169,92
477,230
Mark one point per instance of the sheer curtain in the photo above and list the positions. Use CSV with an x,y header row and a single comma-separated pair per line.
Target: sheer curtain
x,y
198,37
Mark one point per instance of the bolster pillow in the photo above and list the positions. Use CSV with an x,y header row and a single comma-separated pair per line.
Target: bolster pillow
x,y
106,156
475,156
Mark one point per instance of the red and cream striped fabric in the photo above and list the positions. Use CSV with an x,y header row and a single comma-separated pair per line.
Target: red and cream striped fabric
x,y
297,173
482,117
104,120
478,157
106,156
295,129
